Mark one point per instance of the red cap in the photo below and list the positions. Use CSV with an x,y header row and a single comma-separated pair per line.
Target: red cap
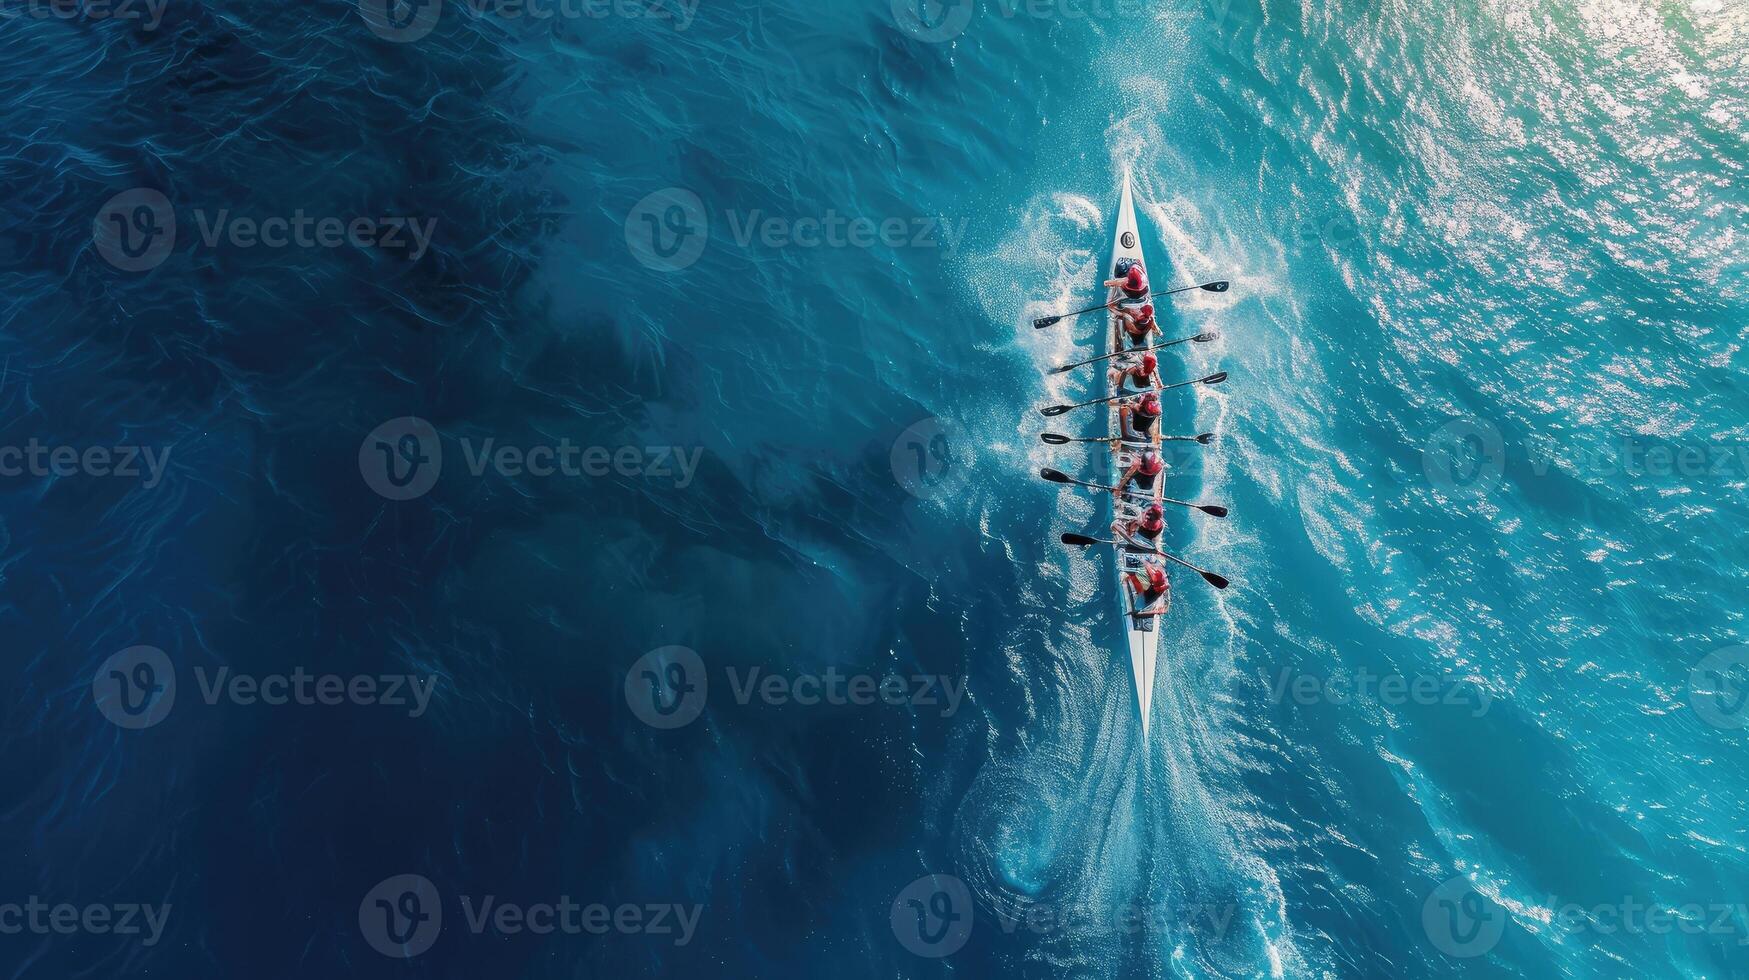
x,y
1155,510
1149,363
1151,403
1135,278
1146,312
1151,465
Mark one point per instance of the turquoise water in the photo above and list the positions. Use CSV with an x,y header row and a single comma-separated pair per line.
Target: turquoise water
x,y
1456,715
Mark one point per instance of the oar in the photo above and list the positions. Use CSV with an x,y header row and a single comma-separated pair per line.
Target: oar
x,y
1057,476
1201,338
1057,440
1209,577
1213,287
1054,410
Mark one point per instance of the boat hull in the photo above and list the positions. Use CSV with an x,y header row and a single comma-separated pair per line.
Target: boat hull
x,y
1141,632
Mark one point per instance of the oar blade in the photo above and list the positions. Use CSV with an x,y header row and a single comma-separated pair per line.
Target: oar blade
x,y
1055,476
1046,321
1052,411
1054,439
1213,510
1203,338
1215,580
1080,539
1206,438
1217,287
1214,379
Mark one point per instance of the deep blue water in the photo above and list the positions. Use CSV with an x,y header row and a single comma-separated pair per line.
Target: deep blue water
x,y
1481,440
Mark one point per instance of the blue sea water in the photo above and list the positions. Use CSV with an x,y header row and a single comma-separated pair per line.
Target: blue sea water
x,y
1470,707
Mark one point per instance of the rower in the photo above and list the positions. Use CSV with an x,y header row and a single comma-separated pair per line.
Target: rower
x,y
1145,470
1151,587
1143,530
1139,375
1138,323
1132,280
1137,415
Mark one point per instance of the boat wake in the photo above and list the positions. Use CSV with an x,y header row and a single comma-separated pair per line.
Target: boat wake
x,y
1098,845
